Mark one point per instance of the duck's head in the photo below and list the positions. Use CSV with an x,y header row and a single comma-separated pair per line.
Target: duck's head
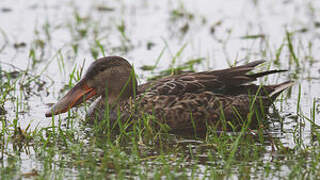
x,y
111,77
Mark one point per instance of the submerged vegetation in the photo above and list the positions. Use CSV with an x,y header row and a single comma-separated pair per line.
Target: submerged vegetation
x,y
44,55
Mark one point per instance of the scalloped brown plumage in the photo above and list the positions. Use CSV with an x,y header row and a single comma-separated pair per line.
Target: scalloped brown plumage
x,y
186,102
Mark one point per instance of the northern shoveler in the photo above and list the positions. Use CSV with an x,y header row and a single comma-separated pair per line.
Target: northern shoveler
x,y
188,101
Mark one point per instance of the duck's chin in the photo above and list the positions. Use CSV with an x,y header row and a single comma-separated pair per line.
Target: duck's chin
x,y
94,105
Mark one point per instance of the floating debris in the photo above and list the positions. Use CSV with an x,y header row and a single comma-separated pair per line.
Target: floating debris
x,y
184,29
6,9
105,9
214,26
19,45
150,45
33,173
254,36
147,68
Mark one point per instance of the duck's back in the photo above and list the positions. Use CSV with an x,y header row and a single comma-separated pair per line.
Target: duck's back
x,y
225,81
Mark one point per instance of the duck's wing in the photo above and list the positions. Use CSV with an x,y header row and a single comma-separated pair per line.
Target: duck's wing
x,y
191,112
219,81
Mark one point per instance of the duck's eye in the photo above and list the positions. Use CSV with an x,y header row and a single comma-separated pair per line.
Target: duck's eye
x,y
101,68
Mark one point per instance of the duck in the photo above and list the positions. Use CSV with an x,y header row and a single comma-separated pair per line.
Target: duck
x,y
191,101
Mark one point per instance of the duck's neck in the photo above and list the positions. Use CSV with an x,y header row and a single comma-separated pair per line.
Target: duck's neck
x,y
111,100
98,107
120,90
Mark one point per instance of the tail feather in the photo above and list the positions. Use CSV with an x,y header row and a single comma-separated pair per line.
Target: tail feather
x,y
264,73
251,64
242,69
277,89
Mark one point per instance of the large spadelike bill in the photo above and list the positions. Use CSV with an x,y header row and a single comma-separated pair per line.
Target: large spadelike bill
x,y
78,94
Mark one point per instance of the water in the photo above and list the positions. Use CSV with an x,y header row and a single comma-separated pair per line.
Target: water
x,y
62,35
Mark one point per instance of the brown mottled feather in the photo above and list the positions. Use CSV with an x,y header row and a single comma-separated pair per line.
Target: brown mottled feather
x,y
191,101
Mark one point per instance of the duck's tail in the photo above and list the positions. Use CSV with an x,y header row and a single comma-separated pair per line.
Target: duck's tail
x,y
278,88
264,73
